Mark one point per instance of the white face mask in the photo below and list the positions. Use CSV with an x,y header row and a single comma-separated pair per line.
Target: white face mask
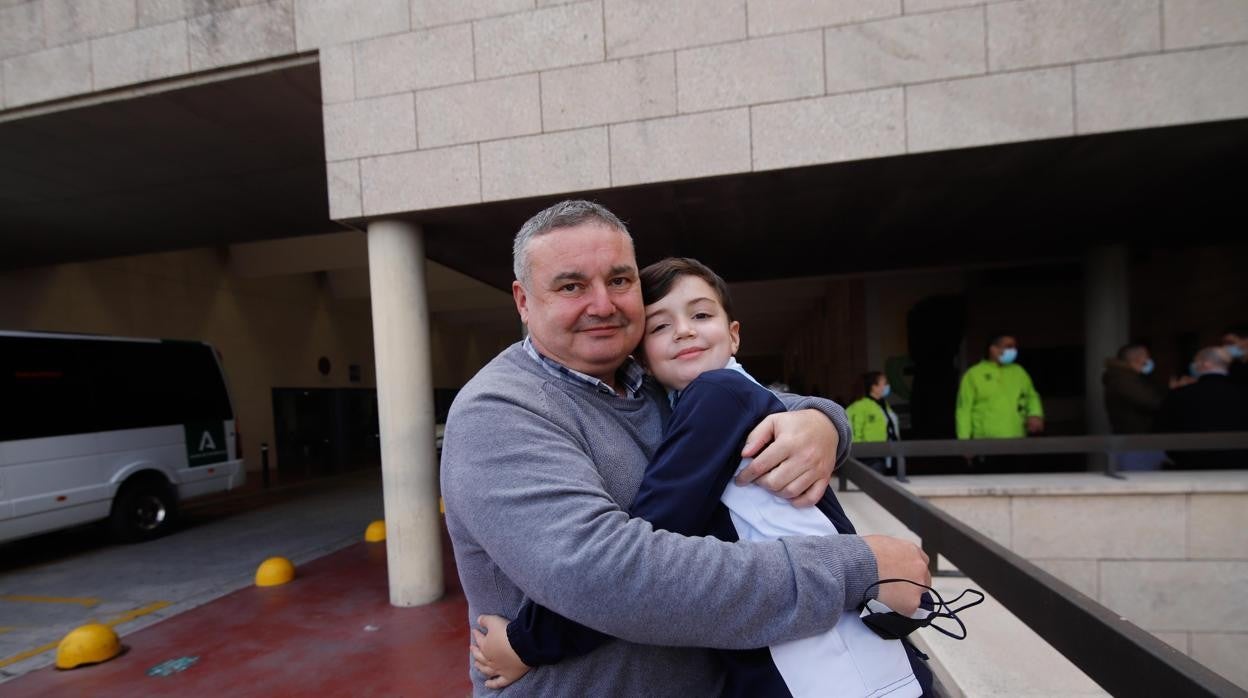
x,y
1009,356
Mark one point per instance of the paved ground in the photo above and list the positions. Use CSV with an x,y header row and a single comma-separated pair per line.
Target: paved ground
x,y
331,632
51,584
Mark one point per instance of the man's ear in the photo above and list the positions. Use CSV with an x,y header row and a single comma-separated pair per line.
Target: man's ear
x,y
522,301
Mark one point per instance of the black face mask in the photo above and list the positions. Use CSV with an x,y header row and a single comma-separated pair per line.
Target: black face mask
x,y
891,625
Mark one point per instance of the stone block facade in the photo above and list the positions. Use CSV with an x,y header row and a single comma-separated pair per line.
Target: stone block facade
x,y
1164,550
653,90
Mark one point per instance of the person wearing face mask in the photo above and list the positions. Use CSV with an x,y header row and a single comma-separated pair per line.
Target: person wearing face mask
x,y
996,399
1212,403
1235,341
1132,400
871,419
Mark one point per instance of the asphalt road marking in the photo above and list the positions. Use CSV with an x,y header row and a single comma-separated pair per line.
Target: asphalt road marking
x,y
85,602
123,618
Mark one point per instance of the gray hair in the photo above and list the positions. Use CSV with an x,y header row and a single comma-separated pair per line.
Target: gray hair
x,y
565,214
1217,357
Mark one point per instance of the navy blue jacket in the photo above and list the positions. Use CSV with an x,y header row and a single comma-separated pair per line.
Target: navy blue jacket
x,y
700,453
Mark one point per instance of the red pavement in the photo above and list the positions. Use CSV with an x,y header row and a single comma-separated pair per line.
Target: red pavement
x,y
307,637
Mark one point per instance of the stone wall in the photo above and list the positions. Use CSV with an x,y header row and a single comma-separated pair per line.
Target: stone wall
x,y
431,104
1166,550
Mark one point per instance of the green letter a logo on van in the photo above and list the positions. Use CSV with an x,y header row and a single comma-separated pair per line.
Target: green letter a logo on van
x,y
205,443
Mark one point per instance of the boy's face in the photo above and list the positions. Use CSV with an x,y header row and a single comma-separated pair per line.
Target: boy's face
x,y
687,333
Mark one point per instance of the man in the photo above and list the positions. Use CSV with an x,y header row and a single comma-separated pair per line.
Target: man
x,y
547,444
1235,341
1212,403
996,399
871,418
1132,401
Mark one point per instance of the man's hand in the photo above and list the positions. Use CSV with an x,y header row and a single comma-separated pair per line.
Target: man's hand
x,y
492,654
799,457
1035,425
899,559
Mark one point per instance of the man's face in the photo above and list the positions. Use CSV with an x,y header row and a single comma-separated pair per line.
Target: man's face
x,y
1230,339
1137,359
583,303
996,350
688,333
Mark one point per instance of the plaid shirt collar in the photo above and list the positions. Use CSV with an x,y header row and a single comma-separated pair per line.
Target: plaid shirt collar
x,y
631,374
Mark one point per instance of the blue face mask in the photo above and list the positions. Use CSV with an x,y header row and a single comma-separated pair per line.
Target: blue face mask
x,y
1236,351
1009,356
1191,370
888,390
1148,367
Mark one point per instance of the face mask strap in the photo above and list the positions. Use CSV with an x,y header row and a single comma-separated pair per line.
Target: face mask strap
x,y
974,592
949,611
962,626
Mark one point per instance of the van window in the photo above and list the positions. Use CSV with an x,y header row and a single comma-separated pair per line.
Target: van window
x,y
43,389
71,386
143,385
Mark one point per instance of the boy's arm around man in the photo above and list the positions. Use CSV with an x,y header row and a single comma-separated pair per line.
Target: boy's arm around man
x,y
527,500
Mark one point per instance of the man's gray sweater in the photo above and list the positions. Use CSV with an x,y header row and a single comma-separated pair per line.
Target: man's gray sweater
x,y
537,472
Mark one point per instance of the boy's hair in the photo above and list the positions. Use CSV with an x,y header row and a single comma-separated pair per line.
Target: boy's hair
x,y
869,379
657,280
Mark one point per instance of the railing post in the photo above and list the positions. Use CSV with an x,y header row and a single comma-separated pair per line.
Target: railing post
x,y
1111,465
264,465
901,469
842,481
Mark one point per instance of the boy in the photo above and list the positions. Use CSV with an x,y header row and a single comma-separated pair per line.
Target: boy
x,y
689,343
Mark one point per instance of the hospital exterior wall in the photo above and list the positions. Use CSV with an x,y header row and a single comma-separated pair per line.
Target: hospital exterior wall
x,y
431,104
1165,550
270,330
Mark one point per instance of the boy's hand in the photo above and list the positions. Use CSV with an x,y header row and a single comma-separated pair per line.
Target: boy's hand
x,y
492,654
799,459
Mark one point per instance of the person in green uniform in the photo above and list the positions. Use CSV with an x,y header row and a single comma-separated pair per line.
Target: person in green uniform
x,y
996,399
872,420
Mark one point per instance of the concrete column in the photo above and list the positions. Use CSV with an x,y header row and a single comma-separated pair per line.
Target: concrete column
x,y
1107,323
396,270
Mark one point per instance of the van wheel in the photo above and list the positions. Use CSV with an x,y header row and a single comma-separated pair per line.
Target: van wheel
x,y
142,511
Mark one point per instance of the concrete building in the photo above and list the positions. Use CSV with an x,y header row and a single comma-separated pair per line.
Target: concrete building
x,y
299,179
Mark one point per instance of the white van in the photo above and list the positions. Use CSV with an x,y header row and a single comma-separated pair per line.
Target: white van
x,y
95,428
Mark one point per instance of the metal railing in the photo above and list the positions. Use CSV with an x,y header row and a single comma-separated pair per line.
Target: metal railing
x,y
1112,446
1123,658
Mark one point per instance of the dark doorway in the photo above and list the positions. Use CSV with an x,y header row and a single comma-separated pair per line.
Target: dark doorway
x,y
323,431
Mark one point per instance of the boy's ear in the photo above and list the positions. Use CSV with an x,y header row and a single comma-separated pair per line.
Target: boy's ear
x,y
734,331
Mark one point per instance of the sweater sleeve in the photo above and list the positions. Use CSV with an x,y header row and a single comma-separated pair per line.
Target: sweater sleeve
x,y
835,414
679,493
523,489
